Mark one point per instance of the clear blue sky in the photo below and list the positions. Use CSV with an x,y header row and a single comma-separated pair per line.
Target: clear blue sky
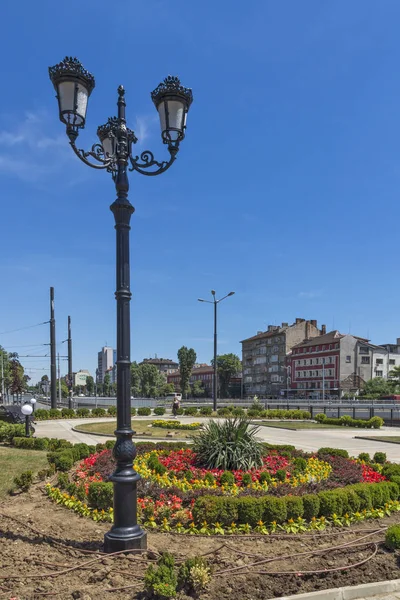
x,y
286,188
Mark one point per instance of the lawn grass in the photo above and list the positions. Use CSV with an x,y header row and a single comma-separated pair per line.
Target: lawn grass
x,y
141,429
15,461
294,425
390,439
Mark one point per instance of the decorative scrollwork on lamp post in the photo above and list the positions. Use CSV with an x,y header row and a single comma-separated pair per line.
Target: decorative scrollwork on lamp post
x,y
73,85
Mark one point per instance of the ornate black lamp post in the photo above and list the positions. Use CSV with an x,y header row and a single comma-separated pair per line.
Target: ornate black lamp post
x,y
74,85
215,378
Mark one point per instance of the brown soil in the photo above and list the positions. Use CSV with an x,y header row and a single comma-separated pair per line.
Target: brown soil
x,y
48,551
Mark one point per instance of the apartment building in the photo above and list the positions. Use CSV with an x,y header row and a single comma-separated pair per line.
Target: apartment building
x,y
336,363
106,359
164,365
265,370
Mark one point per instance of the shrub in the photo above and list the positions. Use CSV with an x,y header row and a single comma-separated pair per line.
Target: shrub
x,y
294,507
300,464
206,411
265,477
252,412
228,445
190,411
92,448
41,413
8,431
391,469
380,458
161,581
100,447
63,460
376,422
395,479
159,411
311,506
331,502
209,478
346,420
392,537
274,509
133,411
280,474
83,450
364,456
305,414
110,444
333,452
67,413
227,478
238,412
213,509
98,412
154,464
144,411
24,481
100,495
223,412
31,443
250,510
54,413
82,412
194,574
112,411
246,479
320,417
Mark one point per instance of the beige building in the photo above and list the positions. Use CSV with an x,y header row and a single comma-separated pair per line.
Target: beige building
x,y
264,356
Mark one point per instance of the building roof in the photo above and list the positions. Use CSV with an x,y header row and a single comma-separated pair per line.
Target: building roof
x,y
264,334
327,338
202,369
159,361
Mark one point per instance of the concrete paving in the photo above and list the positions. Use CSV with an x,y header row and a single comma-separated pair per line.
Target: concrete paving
x,y
306,439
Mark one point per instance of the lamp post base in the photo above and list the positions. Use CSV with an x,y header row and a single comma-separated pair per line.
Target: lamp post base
x,y
125,539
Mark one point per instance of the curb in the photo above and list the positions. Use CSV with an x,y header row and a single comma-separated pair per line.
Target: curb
x,y
351,592
371,439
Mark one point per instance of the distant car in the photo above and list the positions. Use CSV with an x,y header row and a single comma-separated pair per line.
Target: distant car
x,y
81,395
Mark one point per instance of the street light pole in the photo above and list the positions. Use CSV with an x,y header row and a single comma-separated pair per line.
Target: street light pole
x,y
215,373
53,373
74,85
70,382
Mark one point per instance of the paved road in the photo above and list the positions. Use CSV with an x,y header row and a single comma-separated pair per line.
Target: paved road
x,y
306,439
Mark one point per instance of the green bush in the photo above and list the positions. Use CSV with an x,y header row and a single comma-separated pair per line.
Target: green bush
x,y
154,464
250,510
333,452
67,413
224,412
274,509
24,481
83,450
252,413
217,509
311,506
62,460
227,478
100,447
133,411
100,495
206,411
82,412
380,458
110,444
391,469
238,412
159,411
92,448
320,417
346,420
395,479
98,412
280,474
112,411
364,456
144,411
31,443
376,422
294,507
265,477
190,411
246,479
229,445
41,413
180,411
54,413
392,537
331,502
300,464
305,414
8,431
161,582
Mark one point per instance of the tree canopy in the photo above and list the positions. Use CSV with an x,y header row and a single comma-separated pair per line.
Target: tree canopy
x,y
227,366
187,359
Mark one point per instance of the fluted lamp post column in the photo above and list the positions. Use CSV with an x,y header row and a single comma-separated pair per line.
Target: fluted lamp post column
x,y
73,85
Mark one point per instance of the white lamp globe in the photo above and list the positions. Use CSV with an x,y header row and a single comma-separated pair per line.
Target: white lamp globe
x,y
26,409
33,400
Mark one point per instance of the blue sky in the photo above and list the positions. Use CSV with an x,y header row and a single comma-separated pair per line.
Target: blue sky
x,y
286,188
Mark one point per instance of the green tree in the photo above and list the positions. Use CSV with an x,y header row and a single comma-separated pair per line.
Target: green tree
x,y
150,380
227,366
168,388
18,383
376,387
198,389
394,375
135,379
89,385
187,358
64,388
106,385
5,361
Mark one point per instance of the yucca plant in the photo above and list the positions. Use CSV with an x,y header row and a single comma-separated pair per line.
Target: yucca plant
x,y
229,445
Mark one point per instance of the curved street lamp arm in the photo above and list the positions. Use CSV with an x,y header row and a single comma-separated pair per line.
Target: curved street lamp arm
x,y
147,161
96,152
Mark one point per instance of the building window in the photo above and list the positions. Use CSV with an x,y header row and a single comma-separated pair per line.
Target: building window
x,y
392,361
365,360
379,373
311,361
310,373
348,358
364,350
379,361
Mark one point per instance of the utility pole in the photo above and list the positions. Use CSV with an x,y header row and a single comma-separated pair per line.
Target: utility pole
x,y
2,378
59,379
70,382
53,374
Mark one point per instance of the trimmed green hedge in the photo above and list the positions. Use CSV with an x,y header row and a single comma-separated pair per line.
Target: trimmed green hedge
x,y
247,509
347,421
144,411
8,431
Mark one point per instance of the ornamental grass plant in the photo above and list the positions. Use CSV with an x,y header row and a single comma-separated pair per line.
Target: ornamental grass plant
x,y
229,445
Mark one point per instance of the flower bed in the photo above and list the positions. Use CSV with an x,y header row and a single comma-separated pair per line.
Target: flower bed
x,y
292,491
176,425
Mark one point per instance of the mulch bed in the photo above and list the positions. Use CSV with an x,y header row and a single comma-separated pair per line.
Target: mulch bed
x,y
47,551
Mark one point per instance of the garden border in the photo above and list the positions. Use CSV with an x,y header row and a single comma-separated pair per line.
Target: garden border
x,y
371,439
350,592
144,437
